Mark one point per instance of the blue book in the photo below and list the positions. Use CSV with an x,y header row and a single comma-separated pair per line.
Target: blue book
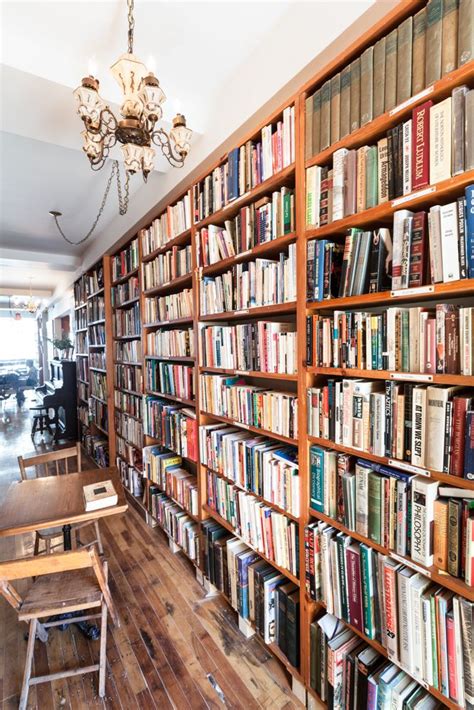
x,y
243,562
316,464
469,192
233,176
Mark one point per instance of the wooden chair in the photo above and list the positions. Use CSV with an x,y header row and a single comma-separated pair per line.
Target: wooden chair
x,y
64,582
43,465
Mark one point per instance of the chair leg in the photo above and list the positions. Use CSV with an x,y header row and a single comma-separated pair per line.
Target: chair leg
x,y
98,537
48,545
103,651
37,544
28,663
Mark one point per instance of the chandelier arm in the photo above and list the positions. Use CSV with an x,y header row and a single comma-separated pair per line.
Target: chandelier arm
x,y
123,203
161,139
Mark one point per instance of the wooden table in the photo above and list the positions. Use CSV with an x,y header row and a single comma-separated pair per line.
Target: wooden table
x,y
54,501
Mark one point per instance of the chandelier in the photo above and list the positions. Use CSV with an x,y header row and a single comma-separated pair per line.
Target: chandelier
x,y
141,110
26,303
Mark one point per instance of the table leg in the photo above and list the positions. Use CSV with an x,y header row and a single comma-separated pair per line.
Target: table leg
x,y
67,537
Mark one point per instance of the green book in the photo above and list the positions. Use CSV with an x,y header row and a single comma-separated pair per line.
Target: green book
x,y
313,655
325,129
316,138
286,213
368,596
371,177
316,461
345,121
342,541
375,508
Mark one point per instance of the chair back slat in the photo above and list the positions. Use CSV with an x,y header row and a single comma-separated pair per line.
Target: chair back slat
x,y
50,463
45,564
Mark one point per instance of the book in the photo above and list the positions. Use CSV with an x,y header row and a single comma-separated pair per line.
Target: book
x,y
418,51
335,110
424,493
440,141
367,86
391,70
379,78
465,32
434,25
420,145
345,102
449,32
99,495
404,59
355,94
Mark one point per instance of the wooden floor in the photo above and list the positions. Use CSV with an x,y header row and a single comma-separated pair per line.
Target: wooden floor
x,y
174,648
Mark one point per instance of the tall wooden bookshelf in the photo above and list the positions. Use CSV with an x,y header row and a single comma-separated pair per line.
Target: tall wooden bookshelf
x,y
295,311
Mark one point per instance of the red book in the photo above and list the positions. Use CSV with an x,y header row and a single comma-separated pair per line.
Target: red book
x,y
418,252
421,146
354,587
451,339
451,643
460,407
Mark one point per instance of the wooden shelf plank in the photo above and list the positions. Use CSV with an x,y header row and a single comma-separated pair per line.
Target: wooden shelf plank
x,y
125,277
266,249
257,430
176,283
257,312
173,398
250,373
161,324
388,375
179,240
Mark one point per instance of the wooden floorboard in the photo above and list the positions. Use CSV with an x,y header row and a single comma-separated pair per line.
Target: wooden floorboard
x,y
174,649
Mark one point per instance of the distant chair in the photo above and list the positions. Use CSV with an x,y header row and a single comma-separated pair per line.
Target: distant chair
x,y
65,582
57,463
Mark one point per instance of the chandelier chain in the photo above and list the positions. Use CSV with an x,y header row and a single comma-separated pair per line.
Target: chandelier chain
x,y
131,25
123,203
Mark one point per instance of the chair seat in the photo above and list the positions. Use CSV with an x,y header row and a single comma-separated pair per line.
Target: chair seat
x,y
48,533
60,593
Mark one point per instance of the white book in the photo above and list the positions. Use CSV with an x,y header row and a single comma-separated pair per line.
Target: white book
x,y
313,195
418,437
436,400
338,183
404,615
434,231
99,495
391,344
440,141
427,637
449,242
398,232
418,585
362,499
378,444
424,492
407,150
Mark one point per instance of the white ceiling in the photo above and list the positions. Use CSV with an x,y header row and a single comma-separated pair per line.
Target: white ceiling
x,y
205,54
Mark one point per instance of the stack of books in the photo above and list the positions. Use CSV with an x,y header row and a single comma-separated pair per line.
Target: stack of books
x,y
166,267
166,378
170,343
129,429
170,307
125,261
172,426
128,377
127,321
122,293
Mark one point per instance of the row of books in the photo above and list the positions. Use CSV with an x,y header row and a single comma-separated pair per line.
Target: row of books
x,y
128,403
420,624
128,377
166,267
122,293
247,166
80,318
131,478
407,514
82,391
166,470
170,307
80,291
166,378
82,342
170,343
263,282
232,397
258,223
349,674
427,248
97,359
254,463
82,366
414,55
414,154
129,452
175,221
255,589
182,529
96,309
129,351
172,426
94,280
127,321
97,448
266,530
98,383
96,335
83,414
427,426
129,429
263,346
414,339
125,261
98,413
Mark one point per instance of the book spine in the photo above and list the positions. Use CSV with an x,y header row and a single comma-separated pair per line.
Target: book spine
x,y
420,145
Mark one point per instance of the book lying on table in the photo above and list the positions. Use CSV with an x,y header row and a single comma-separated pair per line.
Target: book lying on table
x,y
99,495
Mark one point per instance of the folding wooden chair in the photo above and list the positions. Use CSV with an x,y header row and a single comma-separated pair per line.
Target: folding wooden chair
x,y
64,582
56,463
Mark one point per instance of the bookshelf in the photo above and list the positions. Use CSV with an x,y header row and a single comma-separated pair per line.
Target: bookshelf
x,y
91,318
186,255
